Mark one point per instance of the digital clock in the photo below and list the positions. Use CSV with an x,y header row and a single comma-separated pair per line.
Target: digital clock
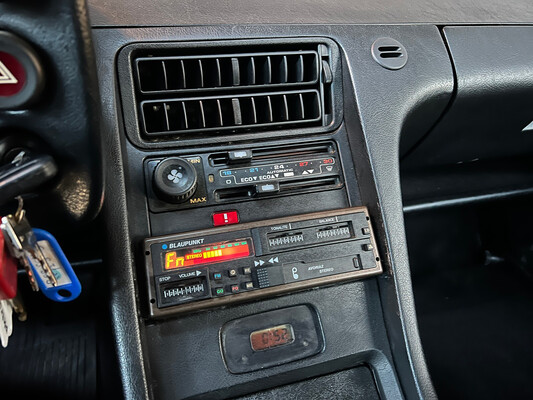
x,y
272,337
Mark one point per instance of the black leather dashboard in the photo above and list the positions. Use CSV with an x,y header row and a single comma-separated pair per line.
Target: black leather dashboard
x,y
204,12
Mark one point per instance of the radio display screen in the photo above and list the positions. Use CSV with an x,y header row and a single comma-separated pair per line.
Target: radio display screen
x,y
208,254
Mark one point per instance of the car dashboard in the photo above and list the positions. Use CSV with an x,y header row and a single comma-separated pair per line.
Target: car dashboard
x,y
259,183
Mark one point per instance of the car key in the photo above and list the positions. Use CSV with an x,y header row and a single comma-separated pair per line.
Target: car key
x,y
22,241
6,321
18,307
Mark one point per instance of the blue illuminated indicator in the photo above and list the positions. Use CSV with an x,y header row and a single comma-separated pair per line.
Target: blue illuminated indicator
x,y
226,173
164,247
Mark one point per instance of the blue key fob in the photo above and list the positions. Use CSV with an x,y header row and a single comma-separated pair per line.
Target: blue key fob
x,y
68,286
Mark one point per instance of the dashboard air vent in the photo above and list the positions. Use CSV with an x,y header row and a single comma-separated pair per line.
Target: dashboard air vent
x,y
195,92
389,53
179,74
211,113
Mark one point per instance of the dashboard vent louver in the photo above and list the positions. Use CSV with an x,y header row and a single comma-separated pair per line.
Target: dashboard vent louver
x,y
198,91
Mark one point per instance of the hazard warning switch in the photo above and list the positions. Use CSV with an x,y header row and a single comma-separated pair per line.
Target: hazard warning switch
x,y
225,218
21,74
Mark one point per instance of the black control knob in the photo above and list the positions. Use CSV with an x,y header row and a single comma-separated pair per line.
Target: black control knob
x,y
175,180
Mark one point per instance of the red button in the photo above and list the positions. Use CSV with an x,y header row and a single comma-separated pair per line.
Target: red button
x,y
12,75
225,218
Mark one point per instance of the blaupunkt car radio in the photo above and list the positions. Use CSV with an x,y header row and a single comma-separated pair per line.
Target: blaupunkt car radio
x,y
215,267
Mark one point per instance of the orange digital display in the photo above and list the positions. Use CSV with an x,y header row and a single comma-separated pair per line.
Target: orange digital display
x,y
272,337
211,253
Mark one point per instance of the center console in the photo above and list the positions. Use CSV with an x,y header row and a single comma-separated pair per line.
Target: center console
x,y
250,213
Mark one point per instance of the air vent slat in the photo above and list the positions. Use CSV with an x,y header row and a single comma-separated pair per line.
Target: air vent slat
x,y
218,73
268,71
202,114
165,108
220,118
237,114
301,107
164,75
183,74
254,111
282,70
201,73
270,116
236,71
251,71
300,68
184,113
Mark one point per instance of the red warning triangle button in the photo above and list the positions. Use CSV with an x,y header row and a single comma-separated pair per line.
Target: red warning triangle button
x,y
12,75
6,77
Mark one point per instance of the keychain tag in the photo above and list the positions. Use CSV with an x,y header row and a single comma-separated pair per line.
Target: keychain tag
x,y
67,287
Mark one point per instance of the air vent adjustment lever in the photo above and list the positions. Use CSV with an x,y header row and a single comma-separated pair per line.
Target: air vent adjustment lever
x,y
327,75
262,189
239,156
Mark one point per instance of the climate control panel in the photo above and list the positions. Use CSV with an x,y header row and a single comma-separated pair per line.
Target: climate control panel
x,y
215,267
175,183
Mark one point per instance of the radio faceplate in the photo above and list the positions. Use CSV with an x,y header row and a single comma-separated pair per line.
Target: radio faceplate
x,y
219,266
